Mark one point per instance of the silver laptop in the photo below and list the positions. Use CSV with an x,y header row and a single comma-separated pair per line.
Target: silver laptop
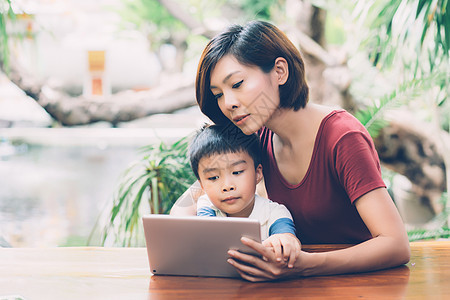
x,y
196,246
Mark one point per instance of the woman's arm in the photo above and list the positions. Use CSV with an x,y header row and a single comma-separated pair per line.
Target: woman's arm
x,y
186,205
389,247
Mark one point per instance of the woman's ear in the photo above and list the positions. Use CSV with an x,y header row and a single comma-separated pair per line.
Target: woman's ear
x,y
259,174
281,68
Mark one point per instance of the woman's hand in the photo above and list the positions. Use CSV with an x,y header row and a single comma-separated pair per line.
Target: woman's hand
x,y
286,247
255,269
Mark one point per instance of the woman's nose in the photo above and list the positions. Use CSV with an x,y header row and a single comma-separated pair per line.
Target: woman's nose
x,y
231,102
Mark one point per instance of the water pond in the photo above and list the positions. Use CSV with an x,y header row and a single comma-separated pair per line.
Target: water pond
x,y
52,195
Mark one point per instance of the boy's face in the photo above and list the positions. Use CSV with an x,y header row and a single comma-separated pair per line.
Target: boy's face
x,y
230,181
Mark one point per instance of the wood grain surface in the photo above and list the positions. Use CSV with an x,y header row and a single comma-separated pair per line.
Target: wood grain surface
x,y
123,273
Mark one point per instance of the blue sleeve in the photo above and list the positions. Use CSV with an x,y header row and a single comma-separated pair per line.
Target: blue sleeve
x,y
282,225
206,212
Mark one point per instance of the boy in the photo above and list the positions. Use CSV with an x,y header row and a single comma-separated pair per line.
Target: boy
x,y
227,164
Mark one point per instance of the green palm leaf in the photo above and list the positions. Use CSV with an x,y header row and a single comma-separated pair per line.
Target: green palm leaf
x,y
394,24
372,117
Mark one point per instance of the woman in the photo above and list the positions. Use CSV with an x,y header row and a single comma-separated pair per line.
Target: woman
x,y
319,162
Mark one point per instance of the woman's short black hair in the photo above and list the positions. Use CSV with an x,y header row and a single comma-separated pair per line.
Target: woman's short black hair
x,y
221,139
258,43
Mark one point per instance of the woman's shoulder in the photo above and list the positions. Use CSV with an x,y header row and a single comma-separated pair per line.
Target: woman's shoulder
x,y
336,123
340,121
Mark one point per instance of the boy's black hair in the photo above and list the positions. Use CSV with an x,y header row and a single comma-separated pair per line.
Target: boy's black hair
x,y
221,139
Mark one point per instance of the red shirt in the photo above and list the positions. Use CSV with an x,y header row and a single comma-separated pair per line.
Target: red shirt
x,y
344,166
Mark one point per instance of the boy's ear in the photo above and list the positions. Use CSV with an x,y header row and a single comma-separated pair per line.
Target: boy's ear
x,y
259,174
201,185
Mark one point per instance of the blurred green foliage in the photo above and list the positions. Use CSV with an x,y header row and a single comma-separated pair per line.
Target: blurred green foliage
x,y
411,38
151,18
6,13
422,26
258,9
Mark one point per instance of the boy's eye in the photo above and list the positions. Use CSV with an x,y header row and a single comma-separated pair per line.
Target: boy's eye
x,y
237,84
238,172
213,178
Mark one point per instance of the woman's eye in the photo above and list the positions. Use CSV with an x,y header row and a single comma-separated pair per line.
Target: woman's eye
x,y
217,96
238,172
237,84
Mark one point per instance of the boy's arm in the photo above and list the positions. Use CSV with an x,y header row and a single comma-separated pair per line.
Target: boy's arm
x,y
205,208
282,225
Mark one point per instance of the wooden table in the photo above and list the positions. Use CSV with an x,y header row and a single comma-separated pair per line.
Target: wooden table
x,y
123,273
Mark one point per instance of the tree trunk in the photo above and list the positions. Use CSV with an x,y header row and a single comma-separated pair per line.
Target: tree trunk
x,y
412,148
327,73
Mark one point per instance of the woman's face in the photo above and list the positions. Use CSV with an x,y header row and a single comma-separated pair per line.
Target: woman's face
x,y
245,94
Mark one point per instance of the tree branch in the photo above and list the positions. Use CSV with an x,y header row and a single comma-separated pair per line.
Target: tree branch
x,y
120,107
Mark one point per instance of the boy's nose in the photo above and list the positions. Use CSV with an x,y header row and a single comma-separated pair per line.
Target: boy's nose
x,y
228,187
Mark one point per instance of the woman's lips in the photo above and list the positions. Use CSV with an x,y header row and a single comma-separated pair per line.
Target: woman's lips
x,y
239,120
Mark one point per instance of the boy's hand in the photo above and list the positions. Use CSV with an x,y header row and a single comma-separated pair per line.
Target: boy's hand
x,y
286,247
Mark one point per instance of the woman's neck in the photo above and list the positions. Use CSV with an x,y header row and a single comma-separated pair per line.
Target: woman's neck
x,y
291,127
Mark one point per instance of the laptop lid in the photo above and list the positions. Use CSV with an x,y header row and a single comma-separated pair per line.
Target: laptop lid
x,y
196,246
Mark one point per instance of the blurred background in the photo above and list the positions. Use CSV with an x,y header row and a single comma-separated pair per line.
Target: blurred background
x,y
84,85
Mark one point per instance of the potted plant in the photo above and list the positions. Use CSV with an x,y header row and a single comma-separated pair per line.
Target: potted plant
x,y
150,185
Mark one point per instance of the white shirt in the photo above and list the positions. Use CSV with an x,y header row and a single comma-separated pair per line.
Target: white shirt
x,y
264,210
